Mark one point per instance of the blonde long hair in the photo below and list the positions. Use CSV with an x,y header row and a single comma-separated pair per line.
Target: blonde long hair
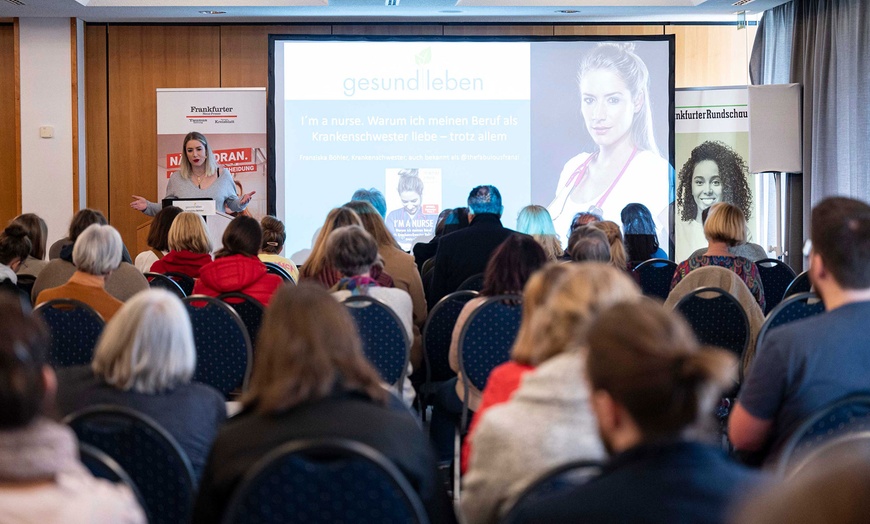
x,y
211,165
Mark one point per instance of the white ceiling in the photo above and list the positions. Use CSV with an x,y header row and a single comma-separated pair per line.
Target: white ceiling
x,y
369,11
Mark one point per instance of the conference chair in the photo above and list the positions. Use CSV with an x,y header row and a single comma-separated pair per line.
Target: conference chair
x,y
554,481
250,310
654,277
150,456
717,318
276,269
74,327
775,277
324,481
161,281
223,349
800,284
385,341
795,307
472,283
185,282
102,466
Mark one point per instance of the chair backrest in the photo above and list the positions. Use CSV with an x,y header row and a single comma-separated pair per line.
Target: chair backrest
x,y
654,277
384,339
848,415
438,332
158,280
75,328
552,482
486,340
324,480
147,453
775,277
428,264
25,283
472,283
250,310
223,349
795,307
185,282
717,318
102,466
800,284
276,269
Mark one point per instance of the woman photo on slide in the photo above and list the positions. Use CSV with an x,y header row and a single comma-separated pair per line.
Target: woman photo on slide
x,y
713,173
408,223
200,176
626,165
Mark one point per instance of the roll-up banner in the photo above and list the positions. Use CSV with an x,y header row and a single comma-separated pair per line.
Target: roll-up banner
x,y
234,123
711,143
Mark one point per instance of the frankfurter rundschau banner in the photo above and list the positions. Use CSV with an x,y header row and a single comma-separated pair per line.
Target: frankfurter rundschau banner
x,y
234,123
711,152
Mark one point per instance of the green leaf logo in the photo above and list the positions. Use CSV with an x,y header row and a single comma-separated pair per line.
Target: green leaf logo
x,y
424,56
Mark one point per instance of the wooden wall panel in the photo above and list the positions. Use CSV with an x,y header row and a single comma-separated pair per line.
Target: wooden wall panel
x,y
97,116
712,55
609,30
10,195
141,59
498,30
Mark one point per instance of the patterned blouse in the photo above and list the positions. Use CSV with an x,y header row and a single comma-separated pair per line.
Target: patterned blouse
x,y
745,269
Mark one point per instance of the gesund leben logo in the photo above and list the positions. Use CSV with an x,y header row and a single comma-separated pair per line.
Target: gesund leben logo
x,y
423,78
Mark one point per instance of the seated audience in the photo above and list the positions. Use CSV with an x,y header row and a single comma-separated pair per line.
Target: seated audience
x,y
145,360
236,267
588,244
725,227
583,218
747,250
274,236
311,381
641,240
652,390
807,364
158,238
401,267
189,246
96,254
14,250
80,221
511,265
423,251
549,420
535,220
618,256
42,479
37,232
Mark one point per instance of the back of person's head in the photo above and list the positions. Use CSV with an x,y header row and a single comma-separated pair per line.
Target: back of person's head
x,y
456,220
840,233
725,223
307,345
485,199
637,220
580,294
24,345
511,265
84,218
618,257
274,235
351,250
158,234
14,244
373,197
318,260
37,232
535,220
147,347
583,218
242,236
97,250
442,218
648,360
588,244
188,233
373,222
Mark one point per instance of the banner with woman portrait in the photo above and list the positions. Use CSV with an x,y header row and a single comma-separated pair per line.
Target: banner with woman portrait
x,y
711,143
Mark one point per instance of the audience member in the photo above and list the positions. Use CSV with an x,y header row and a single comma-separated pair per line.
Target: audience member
x,y
311,381
652,389
423,251
641,240
535,221
96,253
274,236
618,256
466,252
807,364
80,221
588,244
725,227
236,267
747,250
37,232
42,478
144,361
549,420
189,246
158,238
374,197
583,218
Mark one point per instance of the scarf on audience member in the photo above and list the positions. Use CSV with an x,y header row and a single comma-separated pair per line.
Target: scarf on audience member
x,y
358,285
40,450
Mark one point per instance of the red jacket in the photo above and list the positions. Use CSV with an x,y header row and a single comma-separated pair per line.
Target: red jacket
x,y
186,262
237,273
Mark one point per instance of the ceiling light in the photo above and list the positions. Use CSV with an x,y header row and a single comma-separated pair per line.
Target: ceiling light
x,y
213,12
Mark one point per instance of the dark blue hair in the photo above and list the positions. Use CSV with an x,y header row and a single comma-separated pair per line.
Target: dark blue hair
x,y
485,199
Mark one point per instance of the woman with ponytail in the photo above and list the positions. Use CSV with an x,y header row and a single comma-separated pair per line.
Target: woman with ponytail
x,y
14,250
654,391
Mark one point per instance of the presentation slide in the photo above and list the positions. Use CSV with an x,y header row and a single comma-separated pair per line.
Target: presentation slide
x,y
572,125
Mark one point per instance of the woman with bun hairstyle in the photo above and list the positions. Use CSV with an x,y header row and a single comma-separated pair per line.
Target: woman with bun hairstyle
x,y
653,391
14,250
626,164
274,236
409,222
189,246
200,176
37,232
